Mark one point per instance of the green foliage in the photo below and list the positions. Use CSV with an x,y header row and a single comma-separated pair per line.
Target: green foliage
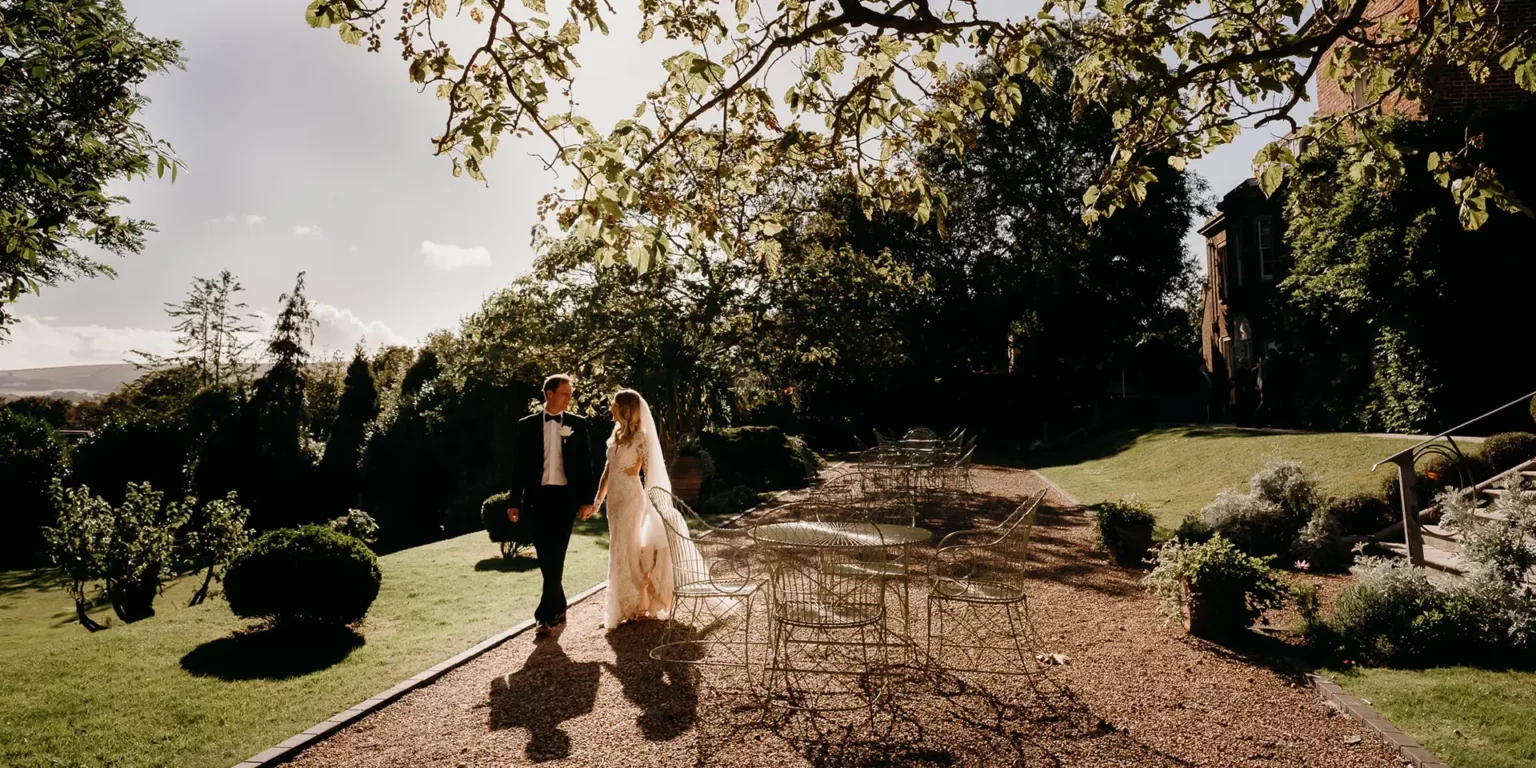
x,y
70,89
879,83
1281,499
129,547
1112,518
1503,542
1321,545
731,502
308,575
1381,265
134,447
408,482
1236,587
1362,514
216,535
1193,530
357,524
31,462
762,458
53,410
1394,616
1509,449
339,473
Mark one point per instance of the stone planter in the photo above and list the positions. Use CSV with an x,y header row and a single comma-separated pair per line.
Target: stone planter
x,y
1135,541
687,475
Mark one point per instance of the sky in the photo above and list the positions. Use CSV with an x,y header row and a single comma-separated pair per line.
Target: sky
x,y
306,154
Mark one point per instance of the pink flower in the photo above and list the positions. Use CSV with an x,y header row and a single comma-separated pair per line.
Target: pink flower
x,y
1302,565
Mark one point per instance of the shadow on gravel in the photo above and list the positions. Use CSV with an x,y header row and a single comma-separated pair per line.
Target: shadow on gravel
x,y
549,690
666,693
272,653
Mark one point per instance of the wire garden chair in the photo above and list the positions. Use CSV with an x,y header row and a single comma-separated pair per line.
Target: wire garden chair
x,y
977,608
712,573
827,616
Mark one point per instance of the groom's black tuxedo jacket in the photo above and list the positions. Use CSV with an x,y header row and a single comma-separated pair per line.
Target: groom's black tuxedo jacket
x,y
528,460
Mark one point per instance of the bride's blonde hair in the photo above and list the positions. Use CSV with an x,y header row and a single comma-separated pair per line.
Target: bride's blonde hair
x,y
626,421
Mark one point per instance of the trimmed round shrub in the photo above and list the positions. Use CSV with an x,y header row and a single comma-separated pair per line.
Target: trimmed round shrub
x,y
1362,514
304,575
493,512
1509,449
1125,529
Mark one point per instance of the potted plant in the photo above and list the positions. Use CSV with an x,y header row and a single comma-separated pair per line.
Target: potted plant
x,y
690,469
1125,530
1214,589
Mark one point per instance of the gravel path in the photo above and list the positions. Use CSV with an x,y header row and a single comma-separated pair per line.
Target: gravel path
x,y
1136,692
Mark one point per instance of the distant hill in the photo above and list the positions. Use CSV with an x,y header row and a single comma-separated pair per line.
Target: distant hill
x,y
72,382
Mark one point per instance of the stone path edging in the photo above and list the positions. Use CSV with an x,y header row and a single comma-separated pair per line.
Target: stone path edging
x,y
1069,497
320,731
1355,707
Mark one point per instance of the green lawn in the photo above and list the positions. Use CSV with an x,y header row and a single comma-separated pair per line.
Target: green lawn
x,y
179,690
1178,470
1471,718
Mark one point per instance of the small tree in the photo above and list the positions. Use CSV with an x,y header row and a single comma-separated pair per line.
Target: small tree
x,y
130,547
78,542
274,418
218,537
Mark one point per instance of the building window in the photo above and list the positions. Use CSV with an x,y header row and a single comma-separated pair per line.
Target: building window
x,y
1264,243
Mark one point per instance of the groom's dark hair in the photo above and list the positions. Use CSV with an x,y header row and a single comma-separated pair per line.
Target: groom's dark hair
x,y
553,383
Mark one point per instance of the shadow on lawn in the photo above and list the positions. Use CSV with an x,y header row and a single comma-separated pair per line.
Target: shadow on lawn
x,y
1117,441
272,653
521,563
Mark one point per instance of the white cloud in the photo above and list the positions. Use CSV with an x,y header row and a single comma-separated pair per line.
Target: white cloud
x,y
339,330
244,218
37,343
311,230
448,258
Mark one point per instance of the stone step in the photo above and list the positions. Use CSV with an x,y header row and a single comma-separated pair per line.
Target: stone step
x,y
1440,538
1490,516
1434,558
1528,474
1494,493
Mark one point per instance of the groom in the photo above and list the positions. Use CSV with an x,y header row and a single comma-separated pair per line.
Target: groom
x,y
551,485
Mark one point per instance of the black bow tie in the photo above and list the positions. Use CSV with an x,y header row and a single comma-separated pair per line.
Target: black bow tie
x,y
550,416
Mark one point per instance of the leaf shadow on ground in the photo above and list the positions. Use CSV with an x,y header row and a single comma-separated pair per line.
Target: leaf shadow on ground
x,y
540,697
931,718
272,653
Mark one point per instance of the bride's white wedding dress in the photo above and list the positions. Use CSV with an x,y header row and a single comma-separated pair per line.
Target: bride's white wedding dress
x,y
639,564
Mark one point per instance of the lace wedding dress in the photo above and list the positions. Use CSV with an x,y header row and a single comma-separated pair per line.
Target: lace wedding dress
x,y
639,563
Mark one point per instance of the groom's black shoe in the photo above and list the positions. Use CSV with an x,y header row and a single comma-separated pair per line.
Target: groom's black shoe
x,y
559,621
541,629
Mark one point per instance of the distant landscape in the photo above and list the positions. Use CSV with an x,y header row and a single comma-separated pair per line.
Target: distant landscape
x,y
71,382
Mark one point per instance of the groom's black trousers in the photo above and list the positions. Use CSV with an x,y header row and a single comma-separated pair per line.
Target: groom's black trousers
x,y
552,516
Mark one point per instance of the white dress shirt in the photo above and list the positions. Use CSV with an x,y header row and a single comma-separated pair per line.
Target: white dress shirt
x,y
554,455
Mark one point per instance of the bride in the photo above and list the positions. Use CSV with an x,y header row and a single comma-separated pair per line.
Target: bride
x,y
639,562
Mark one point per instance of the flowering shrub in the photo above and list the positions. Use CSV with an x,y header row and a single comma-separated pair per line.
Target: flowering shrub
x,y
1321,543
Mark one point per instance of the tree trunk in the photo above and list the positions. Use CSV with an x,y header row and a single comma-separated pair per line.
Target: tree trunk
x,y
133,601
202,592
85,620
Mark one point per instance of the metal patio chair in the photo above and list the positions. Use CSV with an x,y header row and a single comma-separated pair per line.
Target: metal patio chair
x,y
978,609
712,573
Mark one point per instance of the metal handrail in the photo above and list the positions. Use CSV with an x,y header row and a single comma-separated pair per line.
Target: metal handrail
x,y
1448,433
